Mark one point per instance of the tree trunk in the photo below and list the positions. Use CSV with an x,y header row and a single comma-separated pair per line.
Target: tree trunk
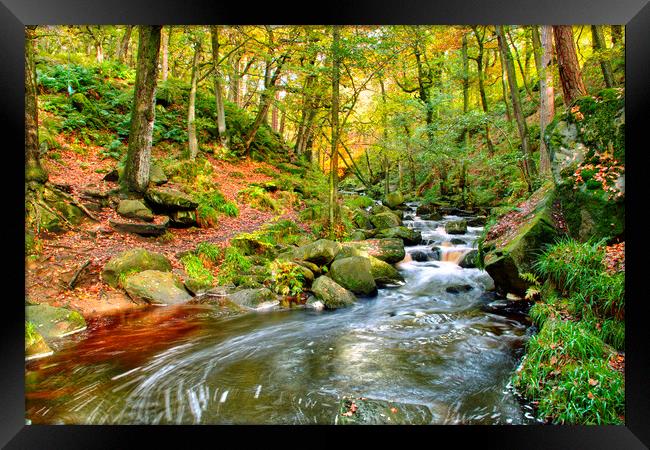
x,y
547,97
465,75
572,85
537,49
598,41
136,171
191,109
334,158
529,167
484,103
123,48
274,112
218,91
504,88
33,169
521,68
617,34
165,55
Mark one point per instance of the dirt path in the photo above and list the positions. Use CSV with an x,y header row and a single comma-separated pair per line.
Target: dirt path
x,y
47,277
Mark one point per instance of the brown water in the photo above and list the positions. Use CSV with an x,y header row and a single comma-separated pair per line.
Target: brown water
x,y
188,364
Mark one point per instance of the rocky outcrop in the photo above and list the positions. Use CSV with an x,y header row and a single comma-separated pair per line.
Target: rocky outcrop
x,y
134,209
133,261
331,294
354,274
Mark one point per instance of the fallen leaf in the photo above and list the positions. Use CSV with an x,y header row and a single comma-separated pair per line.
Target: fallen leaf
x,y
593,382
590,395
393,410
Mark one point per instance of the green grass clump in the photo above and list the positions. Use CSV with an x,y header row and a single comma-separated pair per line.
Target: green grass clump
x,y
258,198
566,371
211,204
209,251
234,264
197,271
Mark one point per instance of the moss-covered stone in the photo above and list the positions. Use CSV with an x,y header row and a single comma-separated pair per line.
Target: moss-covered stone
x,y
53,322
250,244
182,219
321,252
35,345
408,235
157,175
383,273
164,199
132,261
385,220
390,250
394,199
332,294
156,287
456,227
354,274
514,253
252,298
134,209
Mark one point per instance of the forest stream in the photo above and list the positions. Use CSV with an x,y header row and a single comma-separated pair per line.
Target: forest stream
x,y
415,344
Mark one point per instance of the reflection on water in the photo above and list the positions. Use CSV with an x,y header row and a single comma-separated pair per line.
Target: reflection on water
x,y
417,344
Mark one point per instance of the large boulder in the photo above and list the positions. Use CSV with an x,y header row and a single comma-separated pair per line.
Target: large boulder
x,y
456,227
253,298
385,220
52,322
167,200
249,244
408,235
390,250
469,260
134,209
321,252
156,287
394,199
182,219
331,294
132,261
574,140
514,252
354,274
383,273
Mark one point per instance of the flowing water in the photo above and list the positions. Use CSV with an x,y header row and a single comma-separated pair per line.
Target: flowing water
x,y
416,344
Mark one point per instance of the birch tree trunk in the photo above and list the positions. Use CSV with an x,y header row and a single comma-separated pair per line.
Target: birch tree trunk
x,y
165,55
334,154
218,90
136,171
191,109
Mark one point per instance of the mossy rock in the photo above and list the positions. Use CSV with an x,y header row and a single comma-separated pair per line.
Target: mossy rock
x,y
252,298
383,273
354,274
385,220
157,175
514,253
320,252
35,345
332,294
134,209
591,213
249,244
53,322
456,227
132,261
390,250
409,236
165,200
394,199
182,219
357,235
156,287
197,286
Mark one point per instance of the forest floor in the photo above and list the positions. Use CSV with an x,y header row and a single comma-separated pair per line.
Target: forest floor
x,y
94,243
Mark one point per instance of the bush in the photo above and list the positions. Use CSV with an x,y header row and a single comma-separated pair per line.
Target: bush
x,y
287,279
196,270
234,264
258,198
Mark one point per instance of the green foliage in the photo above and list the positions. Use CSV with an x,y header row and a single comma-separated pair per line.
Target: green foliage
x,y
234,264
286,278
209,251
358,201
258,198
211,204
197,271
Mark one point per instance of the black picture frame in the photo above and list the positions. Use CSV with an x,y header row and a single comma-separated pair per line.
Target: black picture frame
x,y
14,14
